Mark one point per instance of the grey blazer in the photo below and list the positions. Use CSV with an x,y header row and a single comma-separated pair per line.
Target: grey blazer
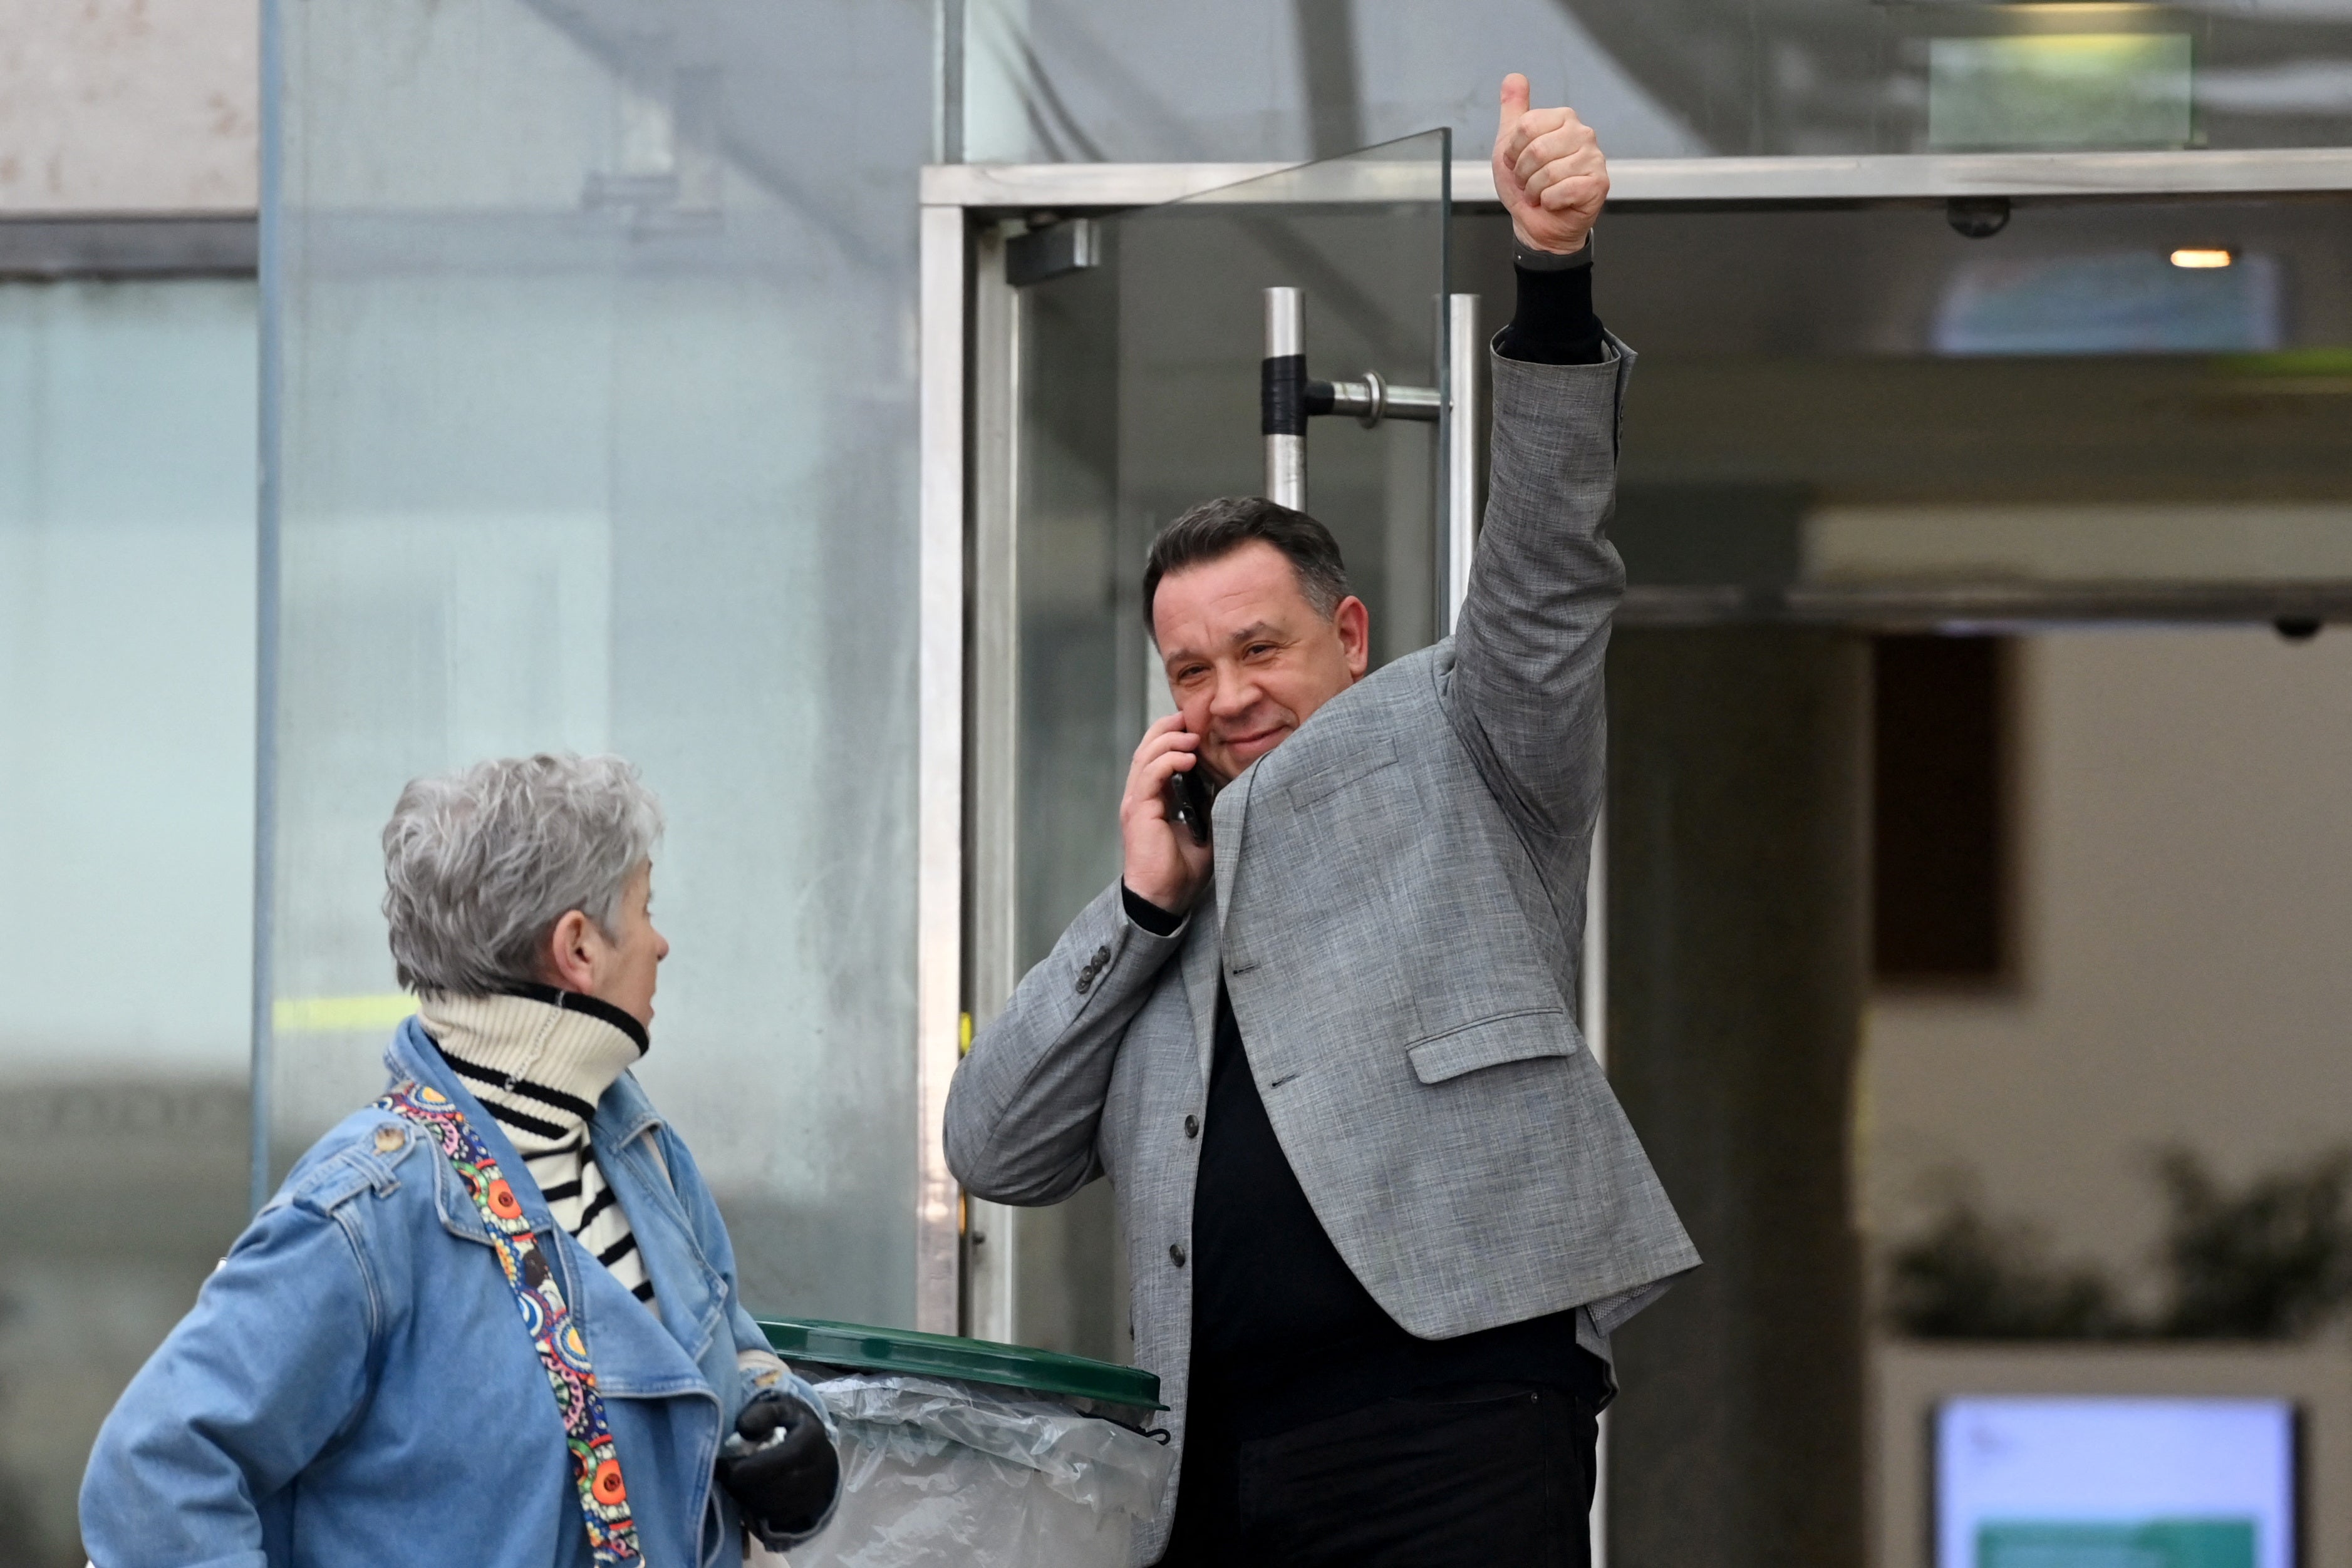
x,y
1398,911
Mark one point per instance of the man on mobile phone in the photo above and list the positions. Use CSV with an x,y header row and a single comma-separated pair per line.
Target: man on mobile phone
x,y
1382,1210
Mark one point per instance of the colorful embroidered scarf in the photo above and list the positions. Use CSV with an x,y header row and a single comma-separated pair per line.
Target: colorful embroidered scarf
x,y
562,1351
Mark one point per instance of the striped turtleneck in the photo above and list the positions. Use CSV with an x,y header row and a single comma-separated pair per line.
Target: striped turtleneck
x,y
538,1061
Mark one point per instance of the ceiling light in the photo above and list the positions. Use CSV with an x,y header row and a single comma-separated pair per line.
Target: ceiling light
x,y
2201,256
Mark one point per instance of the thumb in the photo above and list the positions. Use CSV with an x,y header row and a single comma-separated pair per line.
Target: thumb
x,y
1515,103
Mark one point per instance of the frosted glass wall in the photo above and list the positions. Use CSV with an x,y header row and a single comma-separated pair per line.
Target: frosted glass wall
x,y
126,846
598,433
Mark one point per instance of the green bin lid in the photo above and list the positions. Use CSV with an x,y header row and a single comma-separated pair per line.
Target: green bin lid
x,y
972,1359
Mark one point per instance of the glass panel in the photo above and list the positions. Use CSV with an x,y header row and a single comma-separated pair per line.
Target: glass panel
x,y
1050,80
1845,408
1141,381
1139,398
598,415
126,841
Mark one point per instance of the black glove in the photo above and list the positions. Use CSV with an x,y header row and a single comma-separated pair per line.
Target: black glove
x,y
783,1483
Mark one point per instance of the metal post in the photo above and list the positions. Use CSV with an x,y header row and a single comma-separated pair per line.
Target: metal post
x,y
1283,399
939,763
991,718
270,643
1464,347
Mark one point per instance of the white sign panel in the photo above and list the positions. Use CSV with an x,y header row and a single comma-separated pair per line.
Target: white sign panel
x,y
2114,1483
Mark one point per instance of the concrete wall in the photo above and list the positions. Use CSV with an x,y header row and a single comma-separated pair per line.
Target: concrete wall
x,y
127,106
2185,803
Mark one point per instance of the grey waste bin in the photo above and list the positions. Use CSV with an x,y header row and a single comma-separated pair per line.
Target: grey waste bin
x,y
961,1452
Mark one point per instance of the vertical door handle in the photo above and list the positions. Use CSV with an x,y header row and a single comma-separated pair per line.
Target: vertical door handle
x,y
1282,397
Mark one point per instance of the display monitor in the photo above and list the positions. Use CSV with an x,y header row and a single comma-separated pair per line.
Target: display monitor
x,y
2113,1482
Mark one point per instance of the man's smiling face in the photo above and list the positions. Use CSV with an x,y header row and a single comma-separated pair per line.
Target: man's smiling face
x,y
1248,658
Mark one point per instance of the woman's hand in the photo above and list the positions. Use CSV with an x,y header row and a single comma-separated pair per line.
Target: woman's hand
x,y
782,1483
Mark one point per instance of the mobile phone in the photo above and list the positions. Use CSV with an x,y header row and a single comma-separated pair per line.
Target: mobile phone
x,y
1189,797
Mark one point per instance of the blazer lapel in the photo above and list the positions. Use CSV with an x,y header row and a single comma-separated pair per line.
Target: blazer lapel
x,y
1200,968
1226,819
1204,954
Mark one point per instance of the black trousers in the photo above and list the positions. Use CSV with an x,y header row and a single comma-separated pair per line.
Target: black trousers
x,y
1491,1476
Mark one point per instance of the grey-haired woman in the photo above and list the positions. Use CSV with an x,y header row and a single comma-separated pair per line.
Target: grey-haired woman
x,y
491,1319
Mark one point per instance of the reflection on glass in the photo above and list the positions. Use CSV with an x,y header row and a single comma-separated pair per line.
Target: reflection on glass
x,y
2060,90
1134,80
2134,302
597,415
1834,411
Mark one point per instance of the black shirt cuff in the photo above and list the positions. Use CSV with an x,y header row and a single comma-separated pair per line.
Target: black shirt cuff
x,y
1150,916
1554,323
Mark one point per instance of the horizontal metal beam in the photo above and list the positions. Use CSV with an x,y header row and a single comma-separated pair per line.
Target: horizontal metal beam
x,y
1057,187
1643,181
2005,604
1940,176
50,247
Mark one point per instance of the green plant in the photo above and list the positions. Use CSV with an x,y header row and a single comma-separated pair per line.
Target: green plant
x,y
2267,1260
2272,1260
1971,1278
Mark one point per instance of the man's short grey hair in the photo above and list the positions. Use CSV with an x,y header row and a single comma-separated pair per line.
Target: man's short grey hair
x,y
1215,530
479,865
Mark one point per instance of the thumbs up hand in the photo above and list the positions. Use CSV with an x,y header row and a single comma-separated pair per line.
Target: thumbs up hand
x,y
1548,172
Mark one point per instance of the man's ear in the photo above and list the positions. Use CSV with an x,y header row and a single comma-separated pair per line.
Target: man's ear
x,y
567,959
1354,624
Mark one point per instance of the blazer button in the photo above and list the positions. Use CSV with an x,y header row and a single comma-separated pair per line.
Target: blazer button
x,y
1176,1254
1102,957
1086,982
1192,1126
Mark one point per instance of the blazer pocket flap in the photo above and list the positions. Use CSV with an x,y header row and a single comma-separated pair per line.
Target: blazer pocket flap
x,y
1490,1042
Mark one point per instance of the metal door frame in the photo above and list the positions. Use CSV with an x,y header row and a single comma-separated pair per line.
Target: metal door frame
x,y
968,315
967,332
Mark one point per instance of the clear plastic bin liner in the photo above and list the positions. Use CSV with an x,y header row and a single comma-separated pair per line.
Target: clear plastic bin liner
x,y
935,1472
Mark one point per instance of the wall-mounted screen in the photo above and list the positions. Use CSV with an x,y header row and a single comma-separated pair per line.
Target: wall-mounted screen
x,y
2098,1482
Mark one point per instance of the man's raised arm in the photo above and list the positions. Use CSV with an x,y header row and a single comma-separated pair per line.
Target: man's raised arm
x,y
1525,691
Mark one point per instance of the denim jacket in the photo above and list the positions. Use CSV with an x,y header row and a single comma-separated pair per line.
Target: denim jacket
x,y
354,1386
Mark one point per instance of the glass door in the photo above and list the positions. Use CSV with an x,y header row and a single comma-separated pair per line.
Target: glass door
x,y
1118,367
